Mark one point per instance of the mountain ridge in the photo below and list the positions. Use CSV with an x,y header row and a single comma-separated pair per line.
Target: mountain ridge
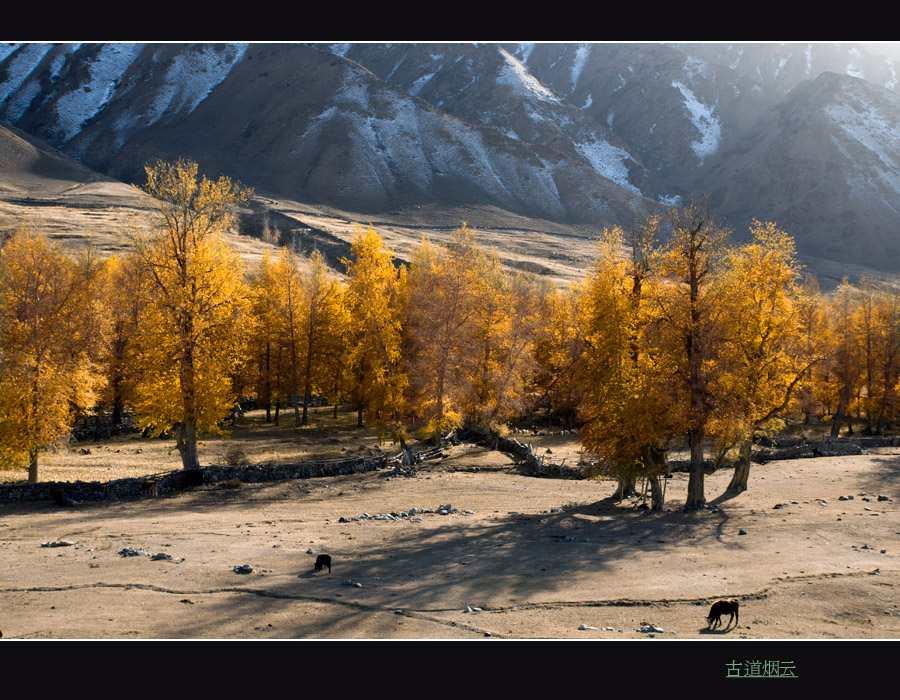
x,y
580,135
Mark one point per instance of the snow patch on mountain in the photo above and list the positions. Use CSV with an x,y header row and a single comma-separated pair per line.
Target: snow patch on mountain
x,y
853,67
870,127
782,62
891,84
524,50
20,66
191,78
607,160
694,66
6,49
76,107
20,100
419,83
582,53
388,137
704,120
516,75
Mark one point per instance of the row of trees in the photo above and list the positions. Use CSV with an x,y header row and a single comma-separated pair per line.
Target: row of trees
x,y
682,338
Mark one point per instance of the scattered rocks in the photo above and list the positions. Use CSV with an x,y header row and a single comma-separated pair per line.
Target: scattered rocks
x,y
742,532
159,556
567,538
59,543
583,626
351,582
163,556
413,514
648,628
243,569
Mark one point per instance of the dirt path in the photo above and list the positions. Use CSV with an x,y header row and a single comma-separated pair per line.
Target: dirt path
x,y
536,558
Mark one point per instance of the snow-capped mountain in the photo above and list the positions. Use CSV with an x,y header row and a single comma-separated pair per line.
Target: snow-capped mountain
x,y
582,134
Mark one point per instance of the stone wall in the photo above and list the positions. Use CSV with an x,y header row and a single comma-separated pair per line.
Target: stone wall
x,y
179,480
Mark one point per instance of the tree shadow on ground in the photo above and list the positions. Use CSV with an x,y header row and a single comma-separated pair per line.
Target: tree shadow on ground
x,y
506,561
888,476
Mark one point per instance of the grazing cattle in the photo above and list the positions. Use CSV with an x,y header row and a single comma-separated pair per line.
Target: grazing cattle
x,y
723,607
322,561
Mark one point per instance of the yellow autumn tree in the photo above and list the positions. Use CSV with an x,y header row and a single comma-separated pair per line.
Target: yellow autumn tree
x,y
689,316
762,356
509,310
265,339
375,288
189,339
559,350
121,295
439,311
308,308
47,369
631,407
810,399
878,332
844,363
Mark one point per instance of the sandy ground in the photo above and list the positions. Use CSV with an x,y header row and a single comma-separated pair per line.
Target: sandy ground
x,y
536,558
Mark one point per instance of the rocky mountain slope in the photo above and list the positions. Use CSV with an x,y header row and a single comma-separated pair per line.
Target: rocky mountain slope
x,y
562,135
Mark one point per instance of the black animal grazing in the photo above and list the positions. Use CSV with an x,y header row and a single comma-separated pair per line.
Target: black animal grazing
x,y
322,561
723,607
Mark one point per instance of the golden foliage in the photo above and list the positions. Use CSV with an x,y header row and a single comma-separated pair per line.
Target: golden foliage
x,y
189,339
374,293
48,329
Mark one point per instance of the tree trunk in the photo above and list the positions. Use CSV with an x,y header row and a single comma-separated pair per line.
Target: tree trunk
x,y
654,459
627,487
656,493
306,398
359,419
843,400
118,401
33,467
268,386
696,497
742,469
186,441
